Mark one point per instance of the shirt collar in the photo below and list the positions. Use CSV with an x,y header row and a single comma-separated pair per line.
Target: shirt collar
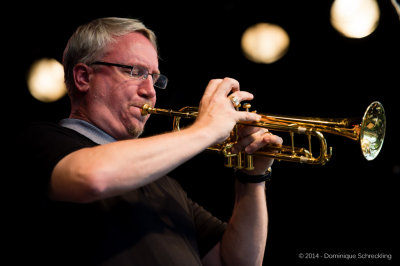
x,y
88,130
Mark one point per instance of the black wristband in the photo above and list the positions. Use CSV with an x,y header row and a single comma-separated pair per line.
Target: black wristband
x,y
245,178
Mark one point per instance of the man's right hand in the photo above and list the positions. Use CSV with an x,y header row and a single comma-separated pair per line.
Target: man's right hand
x,y
217,113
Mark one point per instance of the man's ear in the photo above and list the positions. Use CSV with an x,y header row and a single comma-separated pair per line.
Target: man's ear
x,y
81,76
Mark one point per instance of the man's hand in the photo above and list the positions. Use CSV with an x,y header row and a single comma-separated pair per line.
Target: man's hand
x,y
251,139
216,112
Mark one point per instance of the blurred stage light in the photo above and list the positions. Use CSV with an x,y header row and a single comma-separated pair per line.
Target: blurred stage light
x,y
265,43
46,80
355,18
396,4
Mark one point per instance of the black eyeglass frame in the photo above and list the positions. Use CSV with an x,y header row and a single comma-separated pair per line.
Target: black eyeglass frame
x,y
157,78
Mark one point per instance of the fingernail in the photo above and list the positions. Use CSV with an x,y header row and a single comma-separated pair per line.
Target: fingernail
x,y
248,150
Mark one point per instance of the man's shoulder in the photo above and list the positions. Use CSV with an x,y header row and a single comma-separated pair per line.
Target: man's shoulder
x,y
44,126
39,134
46,129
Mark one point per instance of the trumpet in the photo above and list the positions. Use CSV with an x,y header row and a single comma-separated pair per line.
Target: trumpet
x,y
369,131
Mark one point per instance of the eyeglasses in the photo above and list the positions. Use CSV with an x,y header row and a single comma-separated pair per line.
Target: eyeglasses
x,y
139,72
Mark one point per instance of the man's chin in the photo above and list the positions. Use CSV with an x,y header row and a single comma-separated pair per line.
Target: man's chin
x,y
135,127
134,132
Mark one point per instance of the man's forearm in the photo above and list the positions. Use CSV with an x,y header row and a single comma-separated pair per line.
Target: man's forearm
x,y
116,168
245,238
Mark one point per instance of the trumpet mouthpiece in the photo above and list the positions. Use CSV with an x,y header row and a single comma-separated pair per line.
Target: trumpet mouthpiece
x,y
146,109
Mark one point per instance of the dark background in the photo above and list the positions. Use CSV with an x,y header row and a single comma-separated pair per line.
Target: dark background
x,y
347,206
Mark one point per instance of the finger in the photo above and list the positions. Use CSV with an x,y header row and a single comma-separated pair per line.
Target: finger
x,y
211,88
226,86
240,96
245,116
257,140
219,88
254,133
266,139
245,131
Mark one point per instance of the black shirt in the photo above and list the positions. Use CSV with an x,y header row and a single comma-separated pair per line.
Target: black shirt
x,y
156,224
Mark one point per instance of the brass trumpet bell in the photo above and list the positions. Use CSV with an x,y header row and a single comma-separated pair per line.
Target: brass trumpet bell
x,y
372,132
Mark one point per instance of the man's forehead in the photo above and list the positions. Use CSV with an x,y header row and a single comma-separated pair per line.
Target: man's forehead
x,y
133,48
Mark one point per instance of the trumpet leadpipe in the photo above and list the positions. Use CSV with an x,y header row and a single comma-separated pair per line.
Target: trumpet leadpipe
x,y
147,109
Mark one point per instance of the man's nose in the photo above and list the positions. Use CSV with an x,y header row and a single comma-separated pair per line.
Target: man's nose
x,y
146,88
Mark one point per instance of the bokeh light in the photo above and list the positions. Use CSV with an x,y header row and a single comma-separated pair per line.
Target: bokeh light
x,y
265,43
46,80
355,18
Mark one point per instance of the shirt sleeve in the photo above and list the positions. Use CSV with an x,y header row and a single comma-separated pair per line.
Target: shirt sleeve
x,y
41,147
209,229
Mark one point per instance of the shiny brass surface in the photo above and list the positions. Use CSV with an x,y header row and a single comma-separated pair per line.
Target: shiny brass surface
x,y
369,131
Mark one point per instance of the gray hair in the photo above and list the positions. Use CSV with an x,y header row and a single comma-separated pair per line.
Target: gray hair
x,y
90,41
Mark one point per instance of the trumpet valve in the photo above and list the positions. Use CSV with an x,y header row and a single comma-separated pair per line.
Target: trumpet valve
x,y
249,165
247,106
228,162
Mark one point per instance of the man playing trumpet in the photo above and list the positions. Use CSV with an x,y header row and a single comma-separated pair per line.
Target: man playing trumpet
x,y
101,193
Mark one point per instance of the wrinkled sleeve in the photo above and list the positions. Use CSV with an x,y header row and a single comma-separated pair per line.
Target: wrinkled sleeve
x,y
209,229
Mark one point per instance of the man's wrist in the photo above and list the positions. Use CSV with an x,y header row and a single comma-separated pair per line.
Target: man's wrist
x,y
245,178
